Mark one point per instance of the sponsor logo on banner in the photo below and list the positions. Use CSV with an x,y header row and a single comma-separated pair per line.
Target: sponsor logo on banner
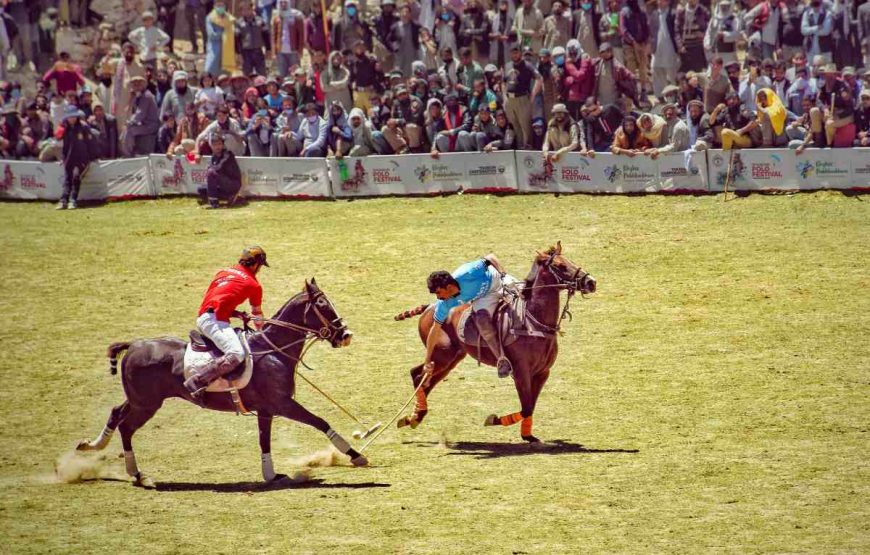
x,y
633,173
358,179
830,169
805,169
766,171
542,179
612,173
438,172
486,170
256,177
385,176
8,179
576,174
737,169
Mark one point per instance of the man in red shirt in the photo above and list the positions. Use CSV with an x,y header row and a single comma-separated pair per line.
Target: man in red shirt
x,y
229,288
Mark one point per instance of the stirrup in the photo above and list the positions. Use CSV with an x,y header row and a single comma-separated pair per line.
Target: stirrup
x,y
192,386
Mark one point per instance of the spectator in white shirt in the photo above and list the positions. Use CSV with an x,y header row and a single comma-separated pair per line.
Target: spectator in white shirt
x,y
148,39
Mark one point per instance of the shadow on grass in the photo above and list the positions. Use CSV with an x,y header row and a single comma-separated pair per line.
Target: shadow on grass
x,y
254,487
496,450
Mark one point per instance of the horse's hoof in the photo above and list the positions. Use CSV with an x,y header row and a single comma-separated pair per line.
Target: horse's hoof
x,y
532,440
360,461
402,422
84,445
277,478
491,420
408,421
145,482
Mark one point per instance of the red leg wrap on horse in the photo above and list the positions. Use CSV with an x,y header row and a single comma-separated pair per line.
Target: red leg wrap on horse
x,y
421,401
510,419
526,426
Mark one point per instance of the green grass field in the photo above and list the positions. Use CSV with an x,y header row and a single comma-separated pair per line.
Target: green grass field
x,y
711,397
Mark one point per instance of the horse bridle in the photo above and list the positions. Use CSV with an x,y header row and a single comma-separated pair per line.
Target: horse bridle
x,y
330,329
569,285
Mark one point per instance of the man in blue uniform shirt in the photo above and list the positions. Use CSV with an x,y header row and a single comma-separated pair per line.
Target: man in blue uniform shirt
x,y
480,283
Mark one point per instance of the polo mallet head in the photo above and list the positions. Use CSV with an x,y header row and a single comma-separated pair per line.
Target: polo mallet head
x,y
359,434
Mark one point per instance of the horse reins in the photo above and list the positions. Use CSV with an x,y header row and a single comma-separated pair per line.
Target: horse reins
x,y
566,284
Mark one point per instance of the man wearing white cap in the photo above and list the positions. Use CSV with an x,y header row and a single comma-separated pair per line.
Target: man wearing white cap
x,y
179,96
148,38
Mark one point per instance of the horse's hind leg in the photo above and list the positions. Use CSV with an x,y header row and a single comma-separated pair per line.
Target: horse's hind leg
x,y
115,417
135,419
294,411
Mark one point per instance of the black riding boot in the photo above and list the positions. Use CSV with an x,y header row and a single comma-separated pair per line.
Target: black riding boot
x,y
483,319
218,367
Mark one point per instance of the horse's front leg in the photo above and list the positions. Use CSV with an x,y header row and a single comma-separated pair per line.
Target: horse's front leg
x,y
294,411
528,397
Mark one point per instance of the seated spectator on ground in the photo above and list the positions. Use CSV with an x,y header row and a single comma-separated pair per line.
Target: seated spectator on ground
x,y
166,134
339,137
284,142
35,129
808,130
259,134
11,145
796,92
729,119
485,132
653,128
208,97
107,129
233,137
455,136
563,135
628,139
434,123
273,95
223,177
676,133
770,118
539,134
363,141
409,115
599,124
862,120
840,125
311,134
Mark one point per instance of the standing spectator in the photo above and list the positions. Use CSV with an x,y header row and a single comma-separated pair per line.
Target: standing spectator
x,y
467,73
259,134
521,84
608,29
22,14
428,51
127,69
365,76
587,22
501,33
723,32
107,129
474,31
557,27
763,25
314,25
690,26
665,62
166,12
448,68
140,135
194,15
66,75
717,85
177,98
220,46
578,79
223,178
208,97
252,33
551,79
303,90
148,39
5,45
77,150
167,132
335,81
445,30
288,36
816,27
635,32
529,28
351,28
611,79
864,31
791,37
311,134
404,40
847,47
339,137
563,135
383,25
265,9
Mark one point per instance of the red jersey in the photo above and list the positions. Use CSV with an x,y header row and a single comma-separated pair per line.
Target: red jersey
x,y
229,289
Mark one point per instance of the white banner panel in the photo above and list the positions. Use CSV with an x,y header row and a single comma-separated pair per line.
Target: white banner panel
x,y
177,175
284,177
683,172
30,180
753,169
409,174
860,167
117,179
489,172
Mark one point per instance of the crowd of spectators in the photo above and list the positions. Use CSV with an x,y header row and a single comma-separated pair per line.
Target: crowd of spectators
x,y
281,78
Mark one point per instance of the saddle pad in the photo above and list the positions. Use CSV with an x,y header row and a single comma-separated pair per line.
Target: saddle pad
x,y
194,360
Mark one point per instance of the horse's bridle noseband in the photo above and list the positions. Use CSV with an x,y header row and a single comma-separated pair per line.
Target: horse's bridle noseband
x,y
570,284
330,329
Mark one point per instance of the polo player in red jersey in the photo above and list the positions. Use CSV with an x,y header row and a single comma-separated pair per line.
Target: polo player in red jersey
x,y
229,288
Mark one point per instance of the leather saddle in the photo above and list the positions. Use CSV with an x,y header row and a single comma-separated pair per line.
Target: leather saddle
x,y
199,343
510,321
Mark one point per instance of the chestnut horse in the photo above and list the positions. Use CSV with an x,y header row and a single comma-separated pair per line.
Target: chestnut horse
x,y
151,372
531,356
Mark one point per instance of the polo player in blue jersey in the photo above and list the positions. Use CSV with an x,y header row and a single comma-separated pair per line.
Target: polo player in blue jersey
x,y
481,283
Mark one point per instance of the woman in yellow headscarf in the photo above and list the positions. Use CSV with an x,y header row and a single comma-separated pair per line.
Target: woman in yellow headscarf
x,y
771,118
652,127
220,48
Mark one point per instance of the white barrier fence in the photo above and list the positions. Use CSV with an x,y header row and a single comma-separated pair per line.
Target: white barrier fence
x,y
420,174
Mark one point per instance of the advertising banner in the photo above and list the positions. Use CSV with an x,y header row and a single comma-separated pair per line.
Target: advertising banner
x,y
753,169
30,180
117,179
860,167
284,177
177,175
683,172
410,174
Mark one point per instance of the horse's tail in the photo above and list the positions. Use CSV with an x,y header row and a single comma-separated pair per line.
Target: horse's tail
x,y
411,313
113,351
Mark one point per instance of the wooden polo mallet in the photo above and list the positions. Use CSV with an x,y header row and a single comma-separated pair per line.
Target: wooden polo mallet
x,y
357,434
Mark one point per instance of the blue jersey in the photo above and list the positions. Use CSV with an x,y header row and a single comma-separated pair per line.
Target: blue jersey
x,y
474,280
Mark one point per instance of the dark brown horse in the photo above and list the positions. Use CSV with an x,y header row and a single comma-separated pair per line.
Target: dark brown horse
x,y
531,356
151,372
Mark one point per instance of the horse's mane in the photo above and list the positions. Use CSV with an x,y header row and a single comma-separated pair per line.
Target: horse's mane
x,y
291,301
533,273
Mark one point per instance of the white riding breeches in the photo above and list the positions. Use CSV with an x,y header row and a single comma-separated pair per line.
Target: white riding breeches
x,y
223,335
489,302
